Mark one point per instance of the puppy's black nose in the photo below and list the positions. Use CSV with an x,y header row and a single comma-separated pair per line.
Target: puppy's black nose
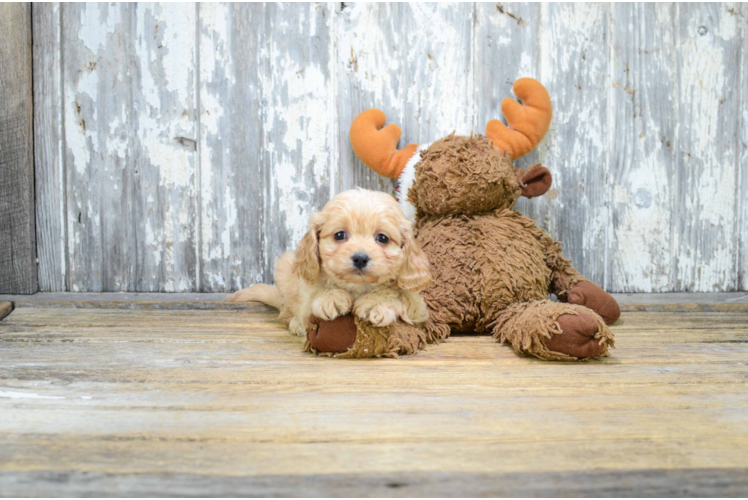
x,y
360,260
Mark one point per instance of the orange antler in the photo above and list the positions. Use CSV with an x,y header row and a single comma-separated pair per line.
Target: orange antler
x,y
528,122
376,147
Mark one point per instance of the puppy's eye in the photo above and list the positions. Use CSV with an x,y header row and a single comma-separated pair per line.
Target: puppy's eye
x,y
381,238
340,236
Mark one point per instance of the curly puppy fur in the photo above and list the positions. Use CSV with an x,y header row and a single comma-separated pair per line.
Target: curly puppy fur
x,y
322,278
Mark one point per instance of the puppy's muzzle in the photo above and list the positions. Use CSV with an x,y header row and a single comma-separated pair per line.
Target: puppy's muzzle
x,y
360,260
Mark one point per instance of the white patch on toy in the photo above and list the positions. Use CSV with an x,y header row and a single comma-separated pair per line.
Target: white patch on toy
x,y
406,180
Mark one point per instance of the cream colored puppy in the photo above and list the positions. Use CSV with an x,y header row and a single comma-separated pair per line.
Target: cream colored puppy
x,y
359,255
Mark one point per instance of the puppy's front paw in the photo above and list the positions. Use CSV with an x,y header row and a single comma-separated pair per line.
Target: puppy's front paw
x,y
415,310
297,326
381,315
331,304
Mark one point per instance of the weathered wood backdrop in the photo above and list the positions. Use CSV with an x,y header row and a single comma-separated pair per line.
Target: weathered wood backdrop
x,y
183,147
18,272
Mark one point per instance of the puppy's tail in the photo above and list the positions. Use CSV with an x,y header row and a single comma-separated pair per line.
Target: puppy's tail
x,y
267,294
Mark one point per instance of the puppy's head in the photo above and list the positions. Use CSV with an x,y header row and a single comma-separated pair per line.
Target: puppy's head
x,y
362,236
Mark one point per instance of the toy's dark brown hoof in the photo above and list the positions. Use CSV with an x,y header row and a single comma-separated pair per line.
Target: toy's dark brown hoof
x,y
337,335
577,339
590,295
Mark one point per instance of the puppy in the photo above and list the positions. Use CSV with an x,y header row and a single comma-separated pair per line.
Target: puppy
x,y
359,256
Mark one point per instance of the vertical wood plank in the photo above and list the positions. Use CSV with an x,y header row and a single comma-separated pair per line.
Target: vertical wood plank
x,y
130,139
743,165
412,61
299,160
574,69
267,135
707,154
642,139
164,104
48,148
506,49
232,187
100,131
18,270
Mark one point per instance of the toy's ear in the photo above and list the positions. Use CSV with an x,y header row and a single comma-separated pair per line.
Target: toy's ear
x,y
535,181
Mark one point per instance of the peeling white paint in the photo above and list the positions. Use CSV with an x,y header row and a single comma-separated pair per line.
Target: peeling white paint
x,y
641,195
131,91
416,66
216,70
573,65
706,251
300,116
81,139
97,22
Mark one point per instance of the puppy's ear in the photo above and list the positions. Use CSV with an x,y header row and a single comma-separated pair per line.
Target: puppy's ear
x,y
306,262
414,274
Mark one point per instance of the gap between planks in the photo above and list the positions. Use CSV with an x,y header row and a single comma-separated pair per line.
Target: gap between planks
x,y
629,302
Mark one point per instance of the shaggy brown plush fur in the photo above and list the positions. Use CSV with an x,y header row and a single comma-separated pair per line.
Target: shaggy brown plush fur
x,y
463,175
492,267
481,265
374,342
527,326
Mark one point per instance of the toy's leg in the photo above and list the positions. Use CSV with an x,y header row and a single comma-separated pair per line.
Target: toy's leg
x,y
588,294
570,286
333,336
553,330
385,342
349,337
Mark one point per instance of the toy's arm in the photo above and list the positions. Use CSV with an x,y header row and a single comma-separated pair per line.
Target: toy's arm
x,y
570,286
563,275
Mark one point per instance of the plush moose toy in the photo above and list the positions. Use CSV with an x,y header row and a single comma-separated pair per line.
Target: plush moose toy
x,y
492,267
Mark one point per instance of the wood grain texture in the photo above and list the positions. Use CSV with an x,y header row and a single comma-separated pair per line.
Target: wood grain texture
x,y
130,135
644,143
594,483
412,61
708,154
164,98
5,309
574,69
507,48
267,135
18,270
231,398
99,137
49,140
629,302
190,144
742,218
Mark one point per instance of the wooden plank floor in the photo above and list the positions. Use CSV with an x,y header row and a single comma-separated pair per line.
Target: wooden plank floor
x,y
152,401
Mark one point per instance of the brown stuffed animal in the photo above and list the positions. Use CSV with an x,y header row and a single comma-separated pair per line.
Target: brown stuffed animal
x,y
349,337
493,268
